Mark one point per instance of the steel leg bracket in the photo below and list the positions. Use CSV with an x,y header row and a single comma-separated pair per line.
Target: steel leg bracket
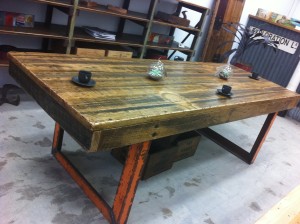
x,y
248,157
130,177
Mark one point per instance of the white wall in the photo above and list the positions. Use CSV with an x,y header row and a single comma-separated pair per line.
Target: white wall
x,y
194,18
295,11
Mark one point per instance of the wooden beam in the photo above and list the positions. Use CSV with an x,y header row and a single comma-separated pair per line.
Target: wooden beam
x,y
285,211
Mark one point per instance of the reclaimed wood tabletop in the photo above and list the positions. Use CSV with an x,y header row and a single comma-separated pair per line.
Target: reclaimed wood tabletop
x,y
125,107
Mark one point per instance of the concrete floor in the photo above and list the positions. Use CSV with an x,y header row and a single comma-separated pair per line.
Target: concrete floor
x,y
212,187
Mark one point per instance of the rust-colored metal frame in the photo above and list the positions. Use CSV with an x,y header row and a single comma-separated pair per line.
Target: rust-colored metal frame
x,y
248,157
128,183
134,164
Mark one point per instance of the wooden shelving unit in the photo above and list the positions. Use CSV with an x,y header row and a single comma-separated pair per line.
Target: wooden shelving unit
x,y
173,46
71,35
101,9
124,39
188,29
62,3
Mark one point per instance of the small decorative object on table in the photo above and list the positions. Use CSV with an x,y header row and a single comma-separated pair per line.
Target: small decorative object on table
x,y
84,79
157,70
225,91
254,75
224,71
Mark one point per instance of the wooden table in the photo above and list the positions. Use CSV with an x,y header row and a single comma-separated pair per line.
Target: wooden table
x,y
127,108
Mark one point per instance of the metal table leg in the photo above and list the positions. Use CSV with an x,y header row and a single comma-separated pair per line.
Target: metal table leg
x,y
248,157
130,177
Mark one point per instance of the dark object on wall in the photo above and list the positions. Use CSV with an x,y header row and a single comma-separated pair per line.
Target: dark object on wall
x,y
172,19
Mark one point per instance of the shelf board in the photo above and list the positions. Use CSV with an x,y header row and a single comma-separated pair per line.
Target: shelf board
x,y
63,3
39,30
125,39
275,24
3,63
103,10
185,28
174,46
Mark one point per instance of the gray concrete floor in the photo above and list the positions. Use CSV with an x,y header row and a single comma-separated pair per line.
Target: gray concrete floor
x,y
211,187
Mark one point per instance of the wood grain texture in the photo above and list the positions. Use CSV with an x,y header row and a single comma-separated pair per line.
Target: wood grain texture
x,y
125,107
103,10
285,211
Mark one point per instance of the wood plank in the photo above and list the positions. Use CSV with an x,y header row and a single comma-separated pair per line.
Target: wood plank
x,y
228,11
124,39
88,52
64,3
186,28
125,107
285,211
103,10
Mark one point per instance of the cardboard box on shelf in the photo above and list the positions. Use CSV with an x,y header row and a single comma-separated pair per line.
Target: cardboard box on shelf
x,y
25,20
88,52
160,39
16,19
118,54
262,13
